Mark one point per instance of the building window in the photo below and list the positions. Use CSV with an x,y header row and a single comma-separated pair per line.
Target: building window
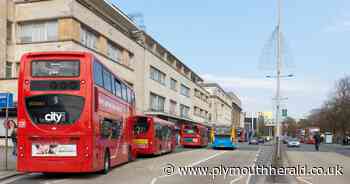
x,y
17,69
195,110
38,31
184,111
172,108
114,52
8,70
131,60
9,32
185,90
157,75
88,38
157,102
173,84
197,93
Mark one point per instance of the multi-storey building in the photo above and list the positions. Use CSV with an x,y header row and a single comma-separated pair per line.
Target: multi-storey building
x,y
225,107
236,110
164,85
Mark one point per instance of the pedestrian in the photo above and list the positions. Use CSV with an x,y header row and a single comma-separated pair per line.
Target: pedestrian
x,y
14,137
317,139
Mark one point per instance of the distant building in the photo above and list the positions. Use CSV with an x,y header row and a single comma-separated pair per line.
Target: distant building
x,y
225,107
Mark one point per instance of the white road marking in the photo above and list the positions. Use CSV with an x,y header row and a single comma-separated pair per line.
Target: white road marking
x,y
303,179
154,180
54,181
206,159
10,180
237,179
254,162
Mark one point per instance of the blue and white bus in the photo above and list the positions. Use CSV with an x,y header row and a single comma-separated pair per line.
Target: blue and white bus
x,y
224,137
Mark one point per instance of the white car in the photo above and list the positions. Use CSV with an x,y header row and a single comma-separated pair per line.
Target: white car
x,y
294,142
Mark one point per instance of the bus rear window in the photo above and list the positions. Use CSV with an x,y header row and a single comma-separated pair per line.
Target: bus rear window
x,y
190,130
54,108
141,125
55,68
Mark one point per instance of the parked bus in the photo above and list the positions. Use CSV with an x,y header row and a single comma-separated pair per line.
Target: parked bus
x,y
224,137
194,135
73,114
153,136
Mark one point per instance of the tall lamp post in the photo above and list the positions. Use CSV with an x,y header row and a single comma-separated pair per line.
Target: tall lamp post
x,y
278,105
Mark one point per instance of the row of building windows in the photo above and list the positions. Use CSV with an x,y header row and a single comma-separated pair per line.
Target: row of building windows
x,y
200,112
157,104
201,95
38,31
43,31
159,76
108,81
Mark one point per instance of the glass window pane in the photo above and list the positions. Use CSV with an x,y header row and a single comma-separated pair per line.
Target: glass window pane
x,y
52,30
107,82
118,88
98,73
25,33
8,70
124,92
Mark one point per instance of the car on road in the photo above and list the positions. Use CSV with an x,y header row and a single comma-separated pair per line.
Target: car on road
x,y
293,142
346,140
261,140
254,140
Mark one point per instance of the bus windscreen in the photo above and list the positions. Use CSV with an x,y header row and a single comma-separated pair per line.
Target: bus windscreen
x,y
223,131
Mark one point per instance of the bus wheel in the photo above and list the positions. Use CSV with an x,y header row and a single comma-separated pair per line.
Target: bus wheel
x,y
106,164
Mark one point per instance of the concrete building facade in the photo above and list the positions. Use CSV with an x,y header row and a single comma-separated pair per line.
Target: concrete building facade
x,y
225,107
164,85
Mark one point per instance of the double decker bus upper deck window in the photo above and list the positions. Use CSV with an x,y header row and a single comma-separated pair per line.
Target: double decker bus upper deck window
x,y
55,68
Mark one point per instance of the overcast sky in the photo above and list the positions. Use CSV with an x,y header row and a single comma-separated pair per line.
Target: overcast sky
x,y
226,41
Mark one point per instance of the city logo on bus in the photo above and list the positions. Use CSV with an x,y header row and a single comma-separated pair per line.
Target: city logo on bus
x,y
55,117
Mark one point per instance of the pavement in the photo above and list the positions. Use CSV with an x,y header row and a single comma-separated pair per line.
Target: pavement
x,y
329,157
11,164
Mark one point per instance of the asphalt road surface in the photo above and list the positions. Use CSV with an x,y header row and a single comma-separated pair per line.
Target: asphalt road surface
x,y
151,170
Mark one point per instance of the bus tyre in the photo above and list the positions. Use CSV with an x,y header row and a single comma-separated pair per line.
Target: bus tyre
x,y
106,163
130,154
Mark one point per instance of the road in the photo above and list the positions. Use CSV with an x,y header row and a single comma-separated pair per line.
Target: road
x,y
150,170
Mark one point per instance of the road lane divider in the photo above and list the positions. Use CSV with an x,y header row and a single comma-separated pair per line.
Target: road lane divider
x,y
171,169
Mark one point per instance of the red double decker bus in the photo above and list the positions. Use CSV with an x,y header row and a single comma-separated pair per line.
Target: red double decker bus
x,y
194,135
73,114
153,136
